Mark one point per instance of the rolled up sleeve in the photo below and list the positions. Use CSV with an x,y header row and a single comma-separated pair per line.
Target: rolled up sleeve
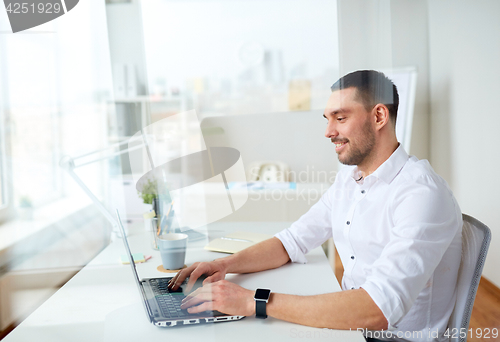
x,y
311,230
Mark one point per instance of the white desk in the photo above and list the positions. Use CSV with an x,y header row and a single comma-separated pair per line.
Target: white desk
x,y
101,303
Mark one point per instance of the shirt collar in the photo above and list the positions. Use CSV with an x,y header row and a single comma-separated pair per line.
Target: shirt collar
x,y
390,168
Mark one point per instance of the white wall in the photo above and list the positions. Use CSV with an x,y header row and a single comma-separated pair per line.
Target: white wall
x,y
455,46
126,39
465,120
384,34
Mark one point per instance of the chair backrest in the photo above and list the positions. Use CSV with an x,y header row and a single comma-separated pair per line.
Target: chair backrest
x,y
475,242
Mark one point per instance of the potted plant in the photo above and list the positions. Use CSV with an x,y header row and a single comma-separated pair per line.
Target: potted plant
x,y
25,208
149,194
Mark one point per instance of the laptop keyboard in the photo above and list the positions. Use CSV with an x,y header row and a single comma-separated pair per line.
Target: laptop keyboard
x,y
168,301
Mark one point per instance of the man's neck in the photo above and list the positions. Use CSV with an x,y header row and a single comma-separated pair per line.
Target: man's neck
x,y
377,158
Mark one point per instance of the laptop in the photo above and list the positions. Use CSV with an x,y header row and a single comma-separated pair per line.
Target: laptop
x,y
163,306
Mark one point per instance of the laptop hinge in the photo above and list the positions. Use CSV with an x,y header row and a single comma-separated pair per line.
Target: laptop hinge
x,y
149,312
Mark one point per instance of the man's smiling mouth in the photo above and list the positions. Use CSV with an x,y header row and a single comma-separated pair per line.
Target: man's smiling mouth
x,y
339,145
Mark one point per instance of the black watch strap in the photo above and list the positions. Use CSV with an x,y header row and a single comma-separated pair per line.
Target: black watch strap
x,y
260,309
261,298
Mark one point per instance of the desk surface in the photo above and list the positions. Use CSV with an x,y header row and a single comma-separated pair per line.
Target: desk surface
x,y
101,302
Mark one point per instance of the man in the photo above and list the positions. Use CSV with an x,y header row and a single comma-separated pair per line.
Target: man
x,y
394,221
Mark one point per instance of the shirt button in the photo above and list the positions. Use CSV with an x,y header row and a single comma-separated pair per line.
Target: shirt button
x,y
352,257
348,222
363,191
352,288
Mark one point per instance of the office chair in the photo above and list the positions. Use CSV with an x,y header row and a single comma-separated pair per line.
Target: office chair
x,y
476,239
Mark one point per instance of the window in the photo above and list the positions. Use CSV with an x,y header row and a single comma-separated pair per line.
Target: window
x,y
58,85
3,169
55,90
241,57
5,203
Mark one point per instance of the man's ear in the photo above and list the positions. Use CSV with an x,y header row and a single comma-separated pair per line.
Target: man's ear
x,y
381,116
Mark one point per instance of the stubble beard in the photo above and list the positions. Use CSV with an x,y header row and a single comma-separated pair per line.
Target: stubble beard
x,y
357,154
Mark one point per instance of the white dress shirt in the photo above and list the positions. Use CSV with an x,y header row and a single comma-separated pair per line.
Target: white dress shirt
x,y
398,234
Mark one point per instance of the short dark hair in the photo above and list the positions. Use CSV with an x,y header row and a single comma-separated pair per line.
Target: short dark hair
x,y
372,87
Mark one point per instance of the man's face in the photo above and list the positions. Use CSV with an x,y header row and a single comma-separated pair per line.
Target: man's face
x,y
349,127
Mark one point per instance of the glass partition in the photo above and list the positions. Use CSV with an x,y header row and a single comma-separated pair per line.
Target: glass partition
x,y
55,90
99,74
239,57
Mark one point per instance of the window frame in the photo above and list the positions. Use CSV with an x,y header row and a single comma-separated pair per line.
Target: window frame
x,y
6,205
6,208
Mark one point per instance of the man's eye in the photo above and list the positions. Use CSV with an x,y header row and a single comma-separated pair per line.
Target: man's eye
x,y
340,119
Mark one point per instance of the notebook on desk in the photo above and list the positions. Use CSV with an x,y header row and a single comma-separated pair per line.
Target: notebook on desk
x,y
236,242
163,306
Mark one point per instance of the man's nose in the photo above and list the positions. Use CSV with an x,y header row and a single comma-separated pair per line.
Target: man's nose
x,y
331,131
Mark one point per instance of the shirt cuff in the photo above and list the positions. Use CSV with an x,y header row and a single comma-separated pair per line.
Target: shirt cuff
x,y
288,241
388,303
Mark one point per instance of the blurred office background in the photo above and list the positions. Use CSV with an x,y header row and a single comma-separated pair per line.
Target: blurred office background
x,y
98,74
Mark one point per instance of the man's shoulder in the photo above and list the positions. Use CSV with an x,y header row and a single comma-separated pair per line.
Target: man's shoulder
x,y
420,191
419,171
417,168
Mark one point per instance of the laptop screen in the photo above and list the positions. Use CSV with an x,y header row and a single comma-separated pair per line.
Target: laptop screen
x,y
132,263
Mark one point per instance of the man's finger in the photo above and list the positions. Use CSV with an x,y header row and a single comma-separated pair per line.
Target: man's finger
x,y
198,292
207,306
173,280
195,301
200,270
191,296
213,278
197,298
180,277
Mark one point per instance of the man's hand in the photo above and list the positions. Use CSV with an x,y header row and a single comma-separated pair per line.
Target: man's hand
x,y
222,296
262,256
216,270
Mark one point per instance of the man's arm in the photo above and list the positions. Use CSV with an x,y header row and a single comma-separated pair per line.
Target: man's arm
x,y
311,230
262,256
350,309
265,255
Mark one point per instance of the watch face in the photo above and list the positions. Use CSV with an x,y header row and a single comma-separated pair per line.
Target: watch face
x,y
262,294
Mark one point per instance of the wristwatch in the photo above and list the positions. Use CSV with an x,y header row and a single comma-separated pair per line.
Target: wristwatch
x,y
261,299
